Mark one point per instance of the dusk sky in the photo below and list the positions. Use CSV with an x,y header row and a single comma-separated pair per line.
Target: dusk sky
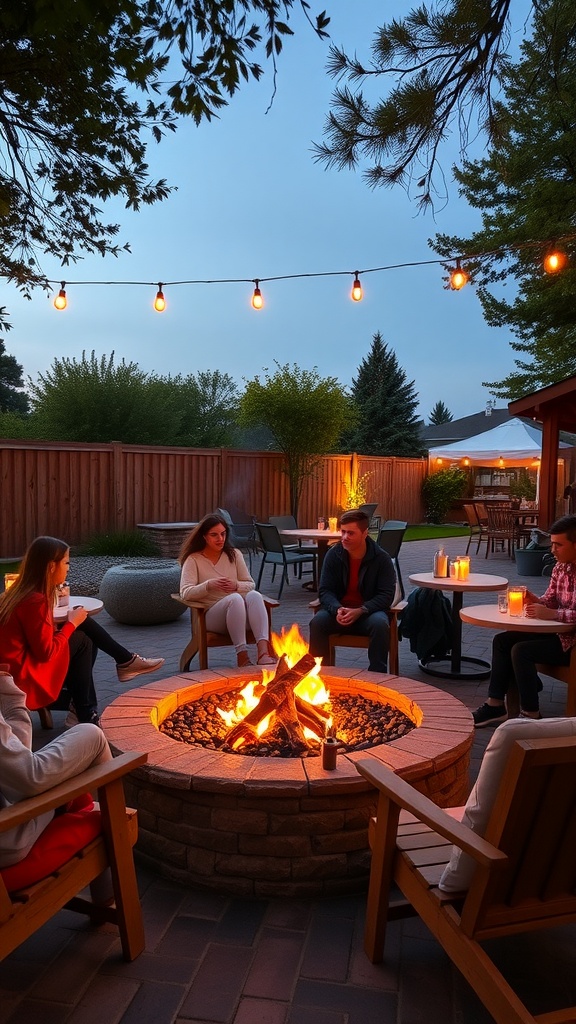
x,y
251,203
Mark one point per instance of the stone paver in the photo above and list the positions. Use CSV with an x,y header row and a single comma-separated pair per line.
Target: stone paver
x,y
211,958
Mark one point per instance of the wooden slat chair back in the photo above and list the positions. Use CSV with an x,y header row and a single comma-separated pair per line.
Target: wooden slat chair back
x,y
476,529
525,874
502,528
24,911
201,638
361,642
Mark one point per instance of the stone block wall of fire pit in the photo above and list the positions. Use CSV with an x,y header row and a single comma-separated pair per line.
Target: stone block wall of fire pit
x,y
270,826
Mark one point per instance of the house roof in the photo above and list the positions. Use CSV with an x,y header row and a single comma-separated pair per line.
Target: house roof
x,y
466,426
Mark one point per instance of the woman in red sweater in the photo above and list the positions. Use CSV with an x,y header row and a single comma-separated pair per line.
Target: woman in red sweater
x,y
41,658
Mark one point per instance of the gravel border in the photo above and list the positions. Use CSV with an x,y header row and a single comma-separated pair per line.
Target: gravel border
x,y
86,572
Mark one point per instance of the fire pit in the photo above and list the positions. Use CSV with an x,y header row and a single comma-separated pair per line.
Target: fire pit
x,y
277,826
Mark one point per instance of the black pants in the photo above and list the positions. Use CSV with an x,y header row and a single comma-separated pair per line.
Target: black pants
x,y
102,641
78,681
515,655
375,626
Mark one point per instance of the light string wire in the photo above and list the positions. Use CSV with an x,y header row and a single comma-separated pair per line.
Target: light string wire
x,y
469,258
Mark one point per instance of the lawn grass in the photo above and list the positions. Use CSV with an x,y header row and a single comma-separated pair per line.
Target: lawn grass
x,y
426,531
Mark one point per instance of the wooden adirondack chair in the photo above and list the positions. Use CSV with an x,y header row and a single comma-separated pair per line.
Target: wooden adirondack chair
x,y
202,638
523,875
26,909
349,640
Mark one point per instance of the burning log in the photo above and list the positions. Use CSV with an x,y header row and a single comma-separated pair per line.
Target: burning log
x,y
279,699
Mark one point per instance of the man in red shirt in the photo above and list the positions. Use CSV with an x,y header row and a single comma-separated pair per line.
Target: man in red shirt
x,y
356,591
515,655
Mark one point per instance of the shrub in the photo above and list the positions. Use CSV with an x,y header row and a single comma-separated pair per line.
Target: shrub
x,y
439,491
123,543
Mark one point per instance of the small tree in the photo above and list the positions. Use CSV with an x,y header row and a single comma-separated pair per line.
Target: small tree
x,y
439,491
305,413
12,399
440,414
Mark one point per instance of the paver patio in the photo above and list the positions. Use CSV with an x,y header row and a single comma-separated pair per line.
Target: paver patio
x,y
213,958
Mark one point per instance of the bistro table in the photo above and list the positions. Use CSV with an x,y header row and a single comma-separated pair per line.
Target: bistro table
x,y
487,615
321,537
93,606
474,668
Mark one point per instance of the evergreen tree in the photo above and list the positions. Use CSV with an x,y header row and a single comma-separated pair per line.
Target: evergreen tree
x,y
11,398
526,190
440,414
386,405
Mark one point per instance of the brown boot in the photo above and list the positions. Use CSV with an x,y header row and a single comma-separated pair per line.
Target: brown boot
x,y
242,659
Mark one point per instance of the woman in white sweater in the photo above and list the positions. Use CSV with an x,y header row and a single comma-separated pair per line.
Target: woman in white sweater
x,y
215,575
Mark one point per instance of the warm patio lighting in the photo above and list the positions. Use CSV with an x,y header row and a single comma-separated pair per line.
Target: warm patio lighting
x,y
60,302
439,461
466,461
257,300
159,301
10,579
501,462
458,277
554,261
356,289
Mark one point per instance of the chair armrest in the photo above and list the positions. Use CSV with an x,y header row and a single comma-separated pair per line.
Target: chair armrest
x,y
93,778
405,796
270,601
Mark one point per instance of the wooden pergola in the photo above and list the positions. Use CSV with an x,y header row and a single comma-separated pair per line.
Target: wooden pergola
x,y
555,408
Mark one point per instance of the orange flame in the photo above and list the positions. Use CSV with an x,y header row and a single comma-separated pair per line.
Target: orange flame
x,y
292,645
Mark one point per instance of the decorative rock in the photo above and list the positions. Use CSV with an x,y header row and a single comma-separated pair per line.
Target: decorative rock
x,y
141,595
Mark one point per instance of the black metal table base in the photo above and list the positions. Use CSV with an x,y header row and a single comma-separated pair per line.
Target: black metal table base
x,y
478,669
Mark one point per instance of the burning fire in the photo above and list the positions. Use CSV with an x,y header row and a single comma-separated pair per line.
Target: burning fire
x,y
292,645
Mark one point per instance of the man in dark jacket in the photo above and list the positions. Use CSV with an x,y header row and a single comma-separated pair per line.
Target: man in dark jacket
x,y
356,591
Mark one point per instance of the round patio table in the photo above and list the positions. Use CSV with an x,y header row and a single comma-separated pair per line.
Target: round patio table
x,y
458,666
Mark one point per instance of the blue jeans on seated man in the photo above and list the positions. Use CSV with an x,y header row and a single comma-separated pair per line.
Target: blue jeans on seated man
x,y
376,626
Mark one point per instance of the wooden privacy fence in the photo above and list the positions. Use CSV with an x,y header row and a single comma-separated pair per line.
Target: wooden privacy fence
x,y
74,490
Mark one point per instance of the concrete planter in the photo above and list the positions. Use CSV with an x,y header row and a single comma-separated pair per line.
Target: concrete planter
x,y
529,563
141,596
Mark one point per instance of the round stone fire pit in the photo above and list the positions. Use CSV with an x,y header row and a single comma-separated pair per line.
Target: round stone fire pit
x,y
270,826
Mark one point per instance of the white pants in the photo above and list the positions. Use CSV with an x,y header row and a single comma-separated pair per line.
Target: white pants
x,y
231,614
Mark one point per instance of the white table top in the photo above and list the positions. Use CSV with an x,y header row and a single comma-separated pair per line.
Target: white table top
x,y
312,534
92,605
489,616
477,581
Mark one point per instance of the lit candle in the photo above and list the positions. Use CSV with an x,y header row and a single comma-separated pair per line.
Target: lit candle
x,y
463,567
10,579
516,601
333,523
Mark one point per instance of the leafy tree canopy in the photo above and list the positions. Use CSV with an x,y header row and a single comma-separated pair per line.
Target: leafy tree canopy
x,y
386,404
84,86
440,414
442,63
526,190
93,399
12,399
306,414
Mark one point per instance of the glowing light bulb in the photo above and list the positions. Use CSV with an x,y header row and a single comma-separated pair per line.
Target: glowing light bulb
x,y
458,277
555,261
257,300
60,302
466,461
356,293
439,461
501,462
159,301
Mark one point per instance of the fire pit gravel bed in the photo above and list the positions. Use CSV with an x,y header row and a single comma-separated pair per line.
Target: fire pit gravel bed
x,y
359,723
277,826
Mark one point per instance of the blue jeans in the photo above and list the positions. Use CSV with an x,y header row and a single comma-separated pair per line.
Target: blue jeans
x,y
375,626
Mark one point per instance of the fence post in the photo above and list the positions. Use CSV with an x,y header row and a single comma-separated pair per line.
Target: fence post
x,y
118,486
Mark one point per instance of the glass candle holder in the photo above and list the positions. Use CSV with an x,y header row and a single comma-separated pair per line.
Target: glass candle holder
x,y
10,579
463,567
516,598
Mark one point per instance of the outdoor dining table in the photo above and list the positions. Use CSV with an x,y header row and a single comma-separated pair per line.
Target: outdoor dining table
x,y
459,666
93,606
322,538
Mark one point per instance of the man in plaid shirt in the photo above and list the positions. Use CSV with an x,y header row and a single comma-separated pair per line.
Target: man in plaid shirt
x,y
515,655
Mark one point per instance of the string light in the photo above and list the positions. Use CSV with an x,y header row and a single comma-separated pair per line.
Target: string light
x,y
257,300
356,294
554,261
60,302
439,461
458,277
466,461
159,301
501,462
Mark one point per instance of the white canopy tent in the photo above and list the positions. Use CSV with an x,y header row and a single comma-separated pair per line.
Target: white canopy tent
x,y
516,442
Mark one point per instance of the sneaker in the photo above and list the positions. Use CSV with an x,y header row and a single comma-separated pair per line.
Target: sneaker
x,y
488,715
138,667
